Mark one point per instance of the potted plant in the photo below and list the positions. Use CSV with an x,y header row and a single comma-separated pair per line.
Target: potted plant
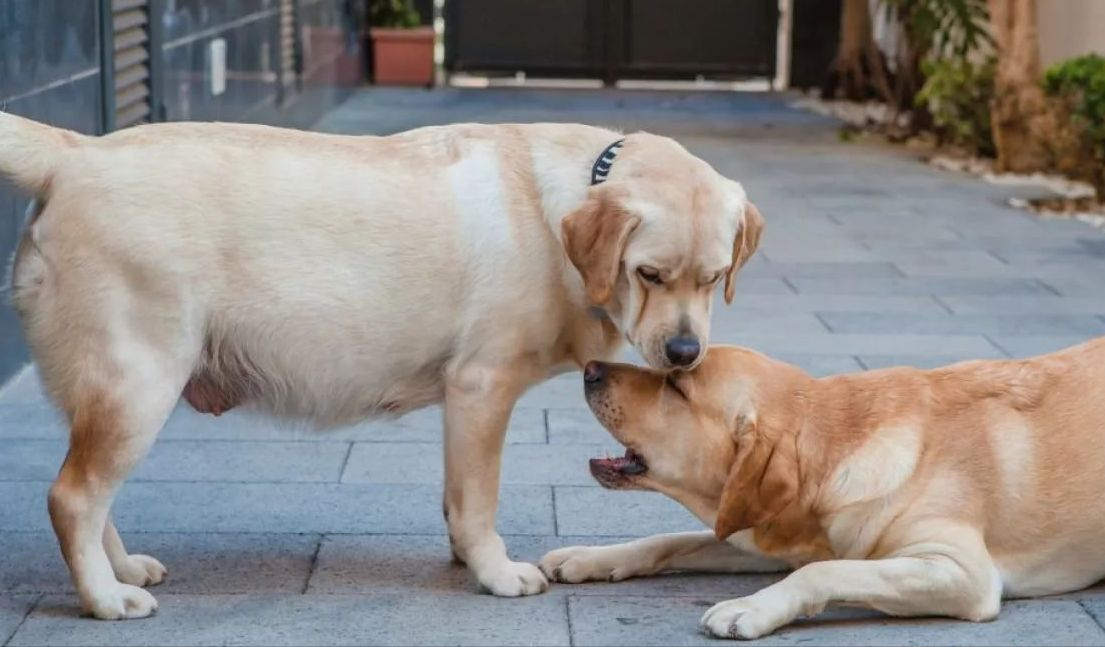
x,y
402,48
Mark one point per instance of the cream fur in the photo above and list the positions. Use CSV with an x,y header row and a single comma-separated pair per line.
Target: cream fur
x,y
332,279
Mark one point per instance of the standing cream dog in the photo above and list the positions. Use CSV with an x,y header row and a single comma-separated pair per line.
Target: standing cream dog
x,y
337,278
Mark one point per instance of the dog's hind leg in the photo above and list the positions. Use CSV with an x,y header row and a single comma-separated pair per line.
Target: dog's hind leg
x,y
112,428
953,577
115,342
113,425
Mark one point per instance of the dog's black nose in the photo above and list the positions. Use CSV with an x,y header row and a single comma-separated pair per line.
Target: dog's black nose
x,y
682,350
594,372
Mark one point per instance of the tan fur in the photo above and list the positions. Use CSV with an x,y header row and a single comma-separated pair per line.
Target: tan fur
x,y
332,279
744,245
594,237
912,492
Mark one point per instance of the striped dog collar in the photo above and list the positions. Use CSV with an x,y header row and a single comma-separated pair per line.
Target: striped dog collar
x,y
602,166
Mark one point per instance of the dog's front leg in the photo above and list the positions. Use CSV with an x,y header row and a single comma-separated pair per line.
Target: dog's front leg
x,y
478,403
688,551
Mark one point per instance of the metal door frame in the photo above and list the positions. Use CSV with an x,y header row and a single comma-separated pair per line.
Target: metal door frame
x,y
610,59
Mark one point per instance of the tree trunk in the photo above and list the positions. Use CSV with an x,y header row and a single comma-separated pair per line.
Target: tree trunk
x,y
858,67
1019,116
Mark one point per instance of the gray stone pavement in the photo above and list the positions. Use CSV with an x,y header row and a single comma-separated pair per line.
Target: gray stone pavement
x,y
278,536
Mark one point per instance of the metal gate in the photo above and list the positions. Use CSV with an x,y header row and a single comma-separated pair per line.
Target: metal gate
x,y
130,60
613,39
291,51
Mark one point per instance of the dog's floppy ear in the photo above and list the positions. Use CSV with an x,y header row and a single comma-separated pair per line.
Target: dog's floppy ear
x,y
761,484
745,244
594,237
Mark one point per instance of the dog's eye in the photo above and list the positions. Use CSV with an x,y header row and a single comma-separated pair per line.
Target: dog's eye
x,y
674,386
650,274
714,279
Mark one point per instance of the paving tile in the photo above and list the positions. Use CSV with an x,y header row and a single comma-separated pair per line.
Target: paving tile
x,y
24,386
1031,345
962,263
418,564
920,286
1094,603
924,233
860,344
1083,286
522,464
1021,305
1024,324
636,621
273,619
575,426
821,365
527,425
805,251
30,562
30,460
171,460
280,508
838,302
841,269
596,512
38,419
561,391
233,461
763,285
1072,250
13,609
873,362
736,321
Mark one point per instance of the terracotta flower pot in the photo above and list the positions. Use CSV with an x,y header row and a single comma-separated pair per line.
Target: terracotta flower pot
x,y
403,56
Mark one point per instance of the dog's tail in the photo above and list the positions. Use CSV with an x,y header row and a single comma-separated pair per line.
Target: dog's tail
x,y
30,152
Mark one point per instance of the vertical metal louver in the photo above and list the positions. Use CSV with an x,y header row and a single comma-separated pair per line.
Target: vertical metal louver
x,y
127,66
290,56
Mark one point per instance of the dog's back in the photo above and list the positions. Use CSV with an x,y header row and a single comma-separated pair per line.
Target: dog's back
x,y
1012,448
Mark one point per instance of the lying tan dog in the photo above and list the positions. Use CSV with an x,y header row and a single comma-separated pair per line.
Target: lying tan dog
x,y
911,492
334,278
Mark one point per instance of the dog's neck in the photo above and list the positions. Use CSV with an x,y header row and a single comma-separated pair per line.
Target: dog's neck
x,y
562,172
563,169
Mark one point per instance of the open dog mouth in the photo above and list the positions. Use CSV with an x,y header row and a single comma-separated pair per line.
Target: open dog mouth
x,y
617,472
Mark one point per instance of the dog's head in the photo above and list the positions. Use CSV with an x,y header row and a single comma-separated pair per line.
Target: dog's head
x,y
720,439
654,241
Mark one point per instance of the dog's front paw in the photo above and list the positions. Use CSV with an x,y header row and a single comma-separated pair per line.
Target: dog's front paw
x,y
141,570
512,579
122,601
744,618
576,564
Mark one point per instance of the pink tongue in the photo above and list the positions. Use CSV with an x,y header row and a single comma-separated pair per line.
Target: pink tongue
x,y
626,464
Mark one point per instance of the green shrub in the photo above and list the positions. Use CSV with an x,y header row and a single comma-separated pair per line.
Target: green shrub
x,y
393,13
1081,81
957,93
